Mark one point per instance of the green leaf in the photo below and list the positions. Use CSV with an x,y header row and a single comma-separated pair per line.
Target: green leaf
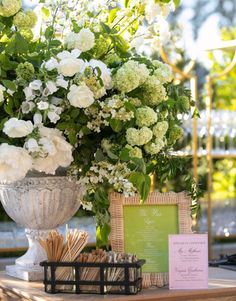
x,y
124,155
1,26
55,43
127,3
17,44
112,14
99,156
72,137
2,123
139,164
116,125
106,28
177,3
142,182
9,84
49,32
102,234
111,155
46,12
120,44
8,107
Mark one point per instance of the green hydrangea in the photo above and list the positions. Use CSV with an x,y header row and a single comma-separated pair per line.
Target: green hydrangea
x,y
25,19
130,76
135,101
163,72
185,102
145,135
175,133
9,8
153,148
153,92
112,59
135,152
25,71
145,116
160,129
101,46
27,33
138,137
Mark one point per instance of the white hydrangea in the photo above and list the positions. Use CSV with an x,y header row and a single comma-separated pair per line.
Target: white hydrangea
x,y
16,128
15,162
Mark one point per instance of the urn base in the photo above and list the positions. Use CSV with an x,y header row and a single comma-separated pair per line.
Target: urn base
x,y
27,274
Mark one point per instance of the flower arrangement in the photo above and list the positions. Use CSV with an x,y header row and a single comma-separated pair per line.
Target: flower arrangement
x,y
76,92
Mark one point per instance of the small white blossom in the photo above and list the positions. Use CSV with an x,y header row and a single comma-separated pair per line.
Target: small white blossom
x,y
61,82
27,106
51,86
42,105
35,85
29,94
51,64
38,118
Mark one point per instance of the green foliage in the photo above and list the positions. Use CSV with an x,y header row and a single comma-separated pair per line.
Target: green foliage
x,y
224,87
224,179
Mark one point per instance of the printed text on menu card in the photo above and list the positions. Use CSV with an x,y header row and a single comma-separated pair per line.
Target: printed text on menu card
x,y
188,261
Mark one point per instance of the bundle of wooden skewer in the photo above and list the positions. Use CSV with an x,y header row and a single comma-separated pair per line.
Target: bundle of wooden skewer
x,y
58,250
68,251
111,274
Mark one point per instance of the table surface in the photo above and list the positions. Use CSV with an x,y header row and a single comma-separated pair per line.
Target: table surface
x,y
222,286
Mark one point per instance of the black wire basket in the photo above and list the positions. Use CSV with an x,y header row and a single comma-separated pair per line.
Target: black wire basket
x,y
72,277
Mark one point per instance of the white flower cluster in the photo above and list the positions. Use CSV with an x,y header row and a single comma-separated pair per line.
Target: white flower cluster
x,y
116,175
37,96
45,150
112,108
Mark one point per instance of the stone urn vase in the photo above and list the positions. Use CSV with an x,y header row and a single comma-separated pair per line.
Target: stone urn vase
x,y
39,204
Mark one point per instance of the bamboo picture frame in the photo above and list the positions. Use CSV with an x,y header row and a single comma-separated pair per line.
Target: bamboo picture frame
x,y
118,205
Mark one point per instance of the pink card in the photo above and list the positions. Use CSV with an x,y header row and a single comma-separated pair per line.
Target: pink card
x,y
188,261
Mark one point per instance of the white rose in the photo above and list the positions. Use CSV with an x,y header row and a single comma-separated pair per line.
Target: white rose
x,y
59,151
85,40
38,118
35,85
1,96
29,93
2,89
42,105
51,86
51,64
69,55
16,128
15,162
80,96
61,82
70,66
106,72
27,106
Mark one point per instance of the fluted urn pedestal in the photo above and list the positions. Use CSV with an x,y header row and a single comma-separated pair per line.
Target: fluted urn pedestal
x,y
39,204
